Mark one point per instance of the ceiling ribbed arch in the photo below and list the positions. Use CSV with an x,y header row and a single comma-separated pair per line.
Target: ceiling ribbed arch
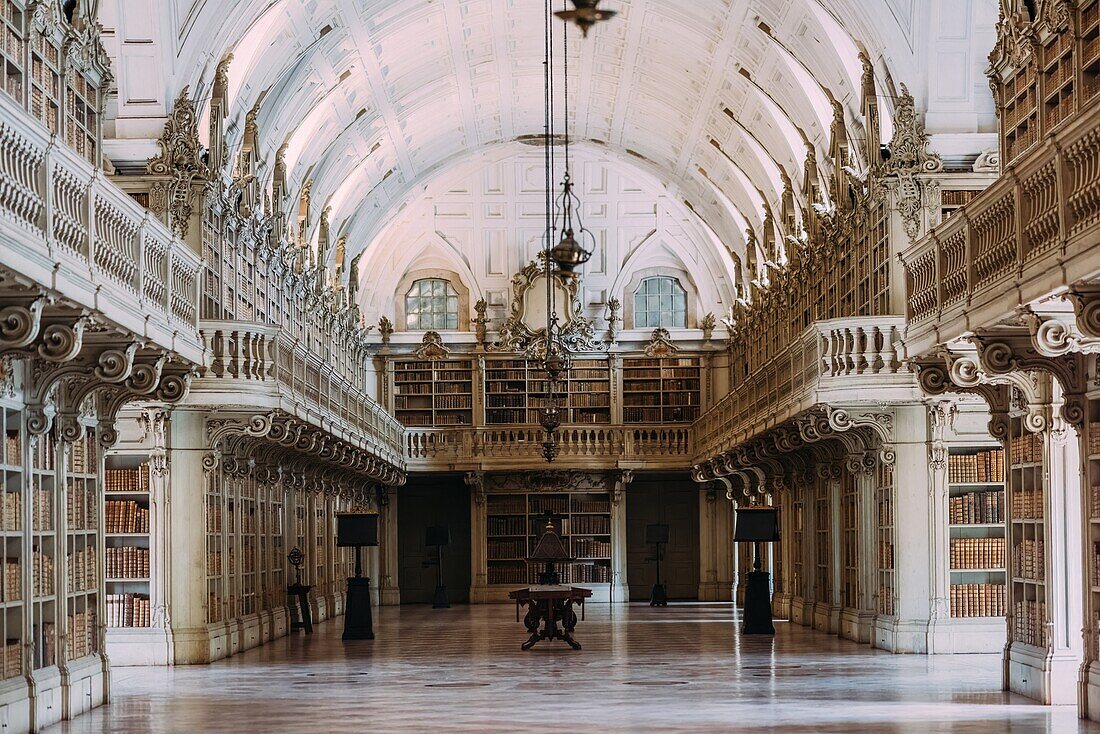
x,y
373,97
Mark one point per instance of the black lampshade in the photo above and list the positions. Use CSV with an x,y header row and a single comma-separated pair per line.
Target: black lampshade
x,y
356,528
550,547
568,254
756,524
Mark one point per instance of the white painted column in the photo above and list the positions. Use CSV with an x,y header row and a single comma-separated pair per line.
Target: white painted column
x,y
620,590
185,606
913,547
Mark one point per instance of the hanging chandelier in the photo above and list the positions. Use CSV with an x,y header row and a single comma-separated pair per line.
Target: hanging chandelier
x,y
561,259
585,14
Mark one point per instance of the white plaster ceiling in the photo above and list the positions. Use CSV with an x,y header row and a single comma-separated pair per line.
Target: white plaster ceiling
x,y
376,98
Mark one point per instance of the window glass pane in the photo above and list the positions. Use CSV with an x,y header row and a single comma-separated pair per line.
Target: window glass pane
x,y
666,285
411,321
666,303
452,321
678,318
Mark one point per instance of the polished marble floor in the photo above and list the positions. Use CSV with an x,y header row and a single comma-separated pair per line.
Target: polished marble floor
x,y
678,669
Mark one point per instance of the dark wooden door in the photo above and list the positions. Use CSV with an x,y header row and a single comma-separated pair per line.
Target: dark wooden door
x,y
671,502
424,502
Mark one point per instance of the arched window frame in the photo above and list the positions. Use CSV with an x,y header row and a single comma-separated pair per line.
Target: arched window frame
x,y
639,280
405,287
455,303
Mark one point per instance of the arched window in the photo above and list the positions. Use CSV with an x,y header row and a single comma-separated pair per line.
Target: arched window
x,y
660,301
431,303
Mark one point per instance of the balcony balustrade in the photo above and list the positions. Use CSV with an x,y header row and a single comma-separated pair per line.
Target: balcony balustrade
x,y
276,371
1031,234
67,228
579,446
836,362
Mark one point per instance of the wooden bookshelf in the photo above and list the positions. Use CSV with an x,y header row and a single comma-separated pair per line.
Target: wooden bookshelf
x,y
514,527
1027,535
1092,441
516,391
14,508
82,546
951,200
1020,117
1089,33
44,545
661,389
976,531
823,545
849,518
1058,79
215,566
436,393
12,50
884,500
127,540
798,540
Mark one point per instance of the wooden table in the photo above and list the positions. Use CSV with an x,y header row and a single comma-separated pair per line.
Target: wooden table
x,y
548,606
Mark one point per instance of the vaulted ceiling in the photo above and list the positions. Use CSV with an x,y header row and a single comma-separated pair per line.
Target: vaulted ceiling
x,y
375,98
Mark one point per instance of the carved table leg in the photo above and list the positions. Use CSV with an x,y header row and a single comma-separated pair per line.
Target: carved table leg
x,y
531,621
569,623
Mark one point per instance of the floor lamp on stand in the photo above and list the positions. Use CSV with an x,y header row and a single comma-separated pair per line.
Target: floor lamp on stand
x,y
355,530
757,525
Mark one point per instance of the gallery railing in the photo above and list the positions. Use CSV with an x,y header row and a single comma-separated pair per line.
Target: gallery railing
x,y
594,446
1031,233
836,361
65,226
270,369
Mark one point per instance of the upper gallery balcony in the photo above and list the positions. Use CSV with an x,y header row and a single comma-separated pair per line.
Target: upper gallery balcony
x,y
1033,233
66,229
838,362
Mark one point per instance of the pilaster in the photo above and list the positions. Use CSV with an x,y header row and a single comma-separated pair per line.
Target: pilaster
x,y
194,640
908,630
620,590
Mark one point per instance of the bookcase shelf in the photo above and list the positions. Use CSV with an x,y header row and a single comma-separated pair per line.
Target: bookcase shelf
x,y
976,516
1027,536
516,391
82,551
514,527
434,393
127,541
884,498
1092,477
13,509
661,389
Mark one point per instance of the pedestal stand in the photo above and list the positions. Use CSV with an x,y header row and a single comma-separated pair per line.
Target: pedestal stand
x,y
358,622
440,601
757,615
658,597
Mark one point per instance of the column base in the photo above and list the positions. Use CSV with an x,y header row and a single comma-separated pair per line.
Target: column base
x,y
826,617
856,624
1035,673
801,612
781,606
900,636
